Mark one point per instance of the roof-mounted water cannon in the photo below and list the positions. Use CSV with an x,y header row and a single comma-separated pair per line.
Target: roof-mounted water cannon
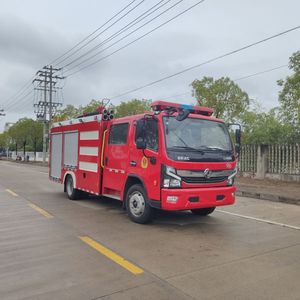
x,y
107,114
183,110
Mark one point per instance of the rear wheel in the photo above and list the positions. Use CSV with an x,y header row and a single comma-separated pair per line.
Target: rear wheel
x,y
203,211
138,208
72,193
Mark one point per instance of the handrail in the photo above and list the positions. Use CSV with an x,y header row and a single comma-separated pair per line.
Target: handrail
x,y
102,150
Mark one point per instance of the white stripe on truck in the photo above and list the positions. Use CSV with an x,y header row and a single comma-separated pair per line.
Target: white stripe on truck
x,y
93,151
89,135
88,166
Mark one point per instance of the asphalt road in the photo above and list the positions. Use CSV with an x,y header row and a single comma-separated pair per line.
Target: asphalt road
x,y
54,248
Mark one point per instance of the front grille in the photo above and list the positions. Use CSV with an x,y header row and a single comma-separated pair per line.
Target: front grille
x,y
204,180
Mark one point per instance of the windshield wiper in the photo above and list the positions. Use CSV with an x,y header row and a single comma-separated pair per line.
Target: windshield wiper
x,y
208,148
186,148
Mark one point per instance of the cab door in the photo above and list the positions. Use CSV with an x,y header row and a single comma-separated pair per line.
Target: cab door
x,y
116,160
145,164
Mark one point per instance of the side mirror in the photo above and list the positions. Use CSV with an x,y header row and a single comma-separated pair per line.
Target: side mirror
x,y
182,115
237,148
238,136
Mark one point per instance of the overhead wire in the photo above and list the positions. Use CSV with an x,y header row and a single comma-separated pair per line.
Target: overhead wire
x,y
124,37
138,19
236,79
16,96
208,61
22,100
137,39
91,34
87,43
21,91
155,28
261,72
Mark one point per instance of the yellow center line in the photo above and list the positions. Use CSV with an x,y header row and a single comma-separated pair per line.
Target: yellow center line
x,y
11,192
40,210
112,256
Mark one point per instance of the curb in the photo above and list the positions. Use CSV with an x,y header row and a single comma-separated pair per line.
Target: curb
x,y
269,197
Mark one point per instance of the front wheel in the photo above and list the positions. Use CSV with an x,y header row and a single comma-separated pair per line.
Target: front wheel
x,y
203,211
72,193
138,208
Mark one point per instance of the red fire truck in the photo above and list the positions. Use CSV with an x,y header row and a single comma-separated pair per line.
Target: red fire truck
x,y
177,157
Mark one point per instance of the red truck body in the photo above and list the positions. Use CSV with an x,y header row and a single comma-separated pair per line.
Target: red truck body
x,y
102,157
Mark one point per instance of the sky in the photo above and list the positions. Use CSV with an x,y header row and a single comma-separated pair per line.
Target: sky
x,y
34,33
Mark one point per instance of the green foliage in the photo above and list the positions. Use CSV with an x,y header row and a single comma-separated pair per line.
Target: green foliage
x,y
266,128
91,107
289,96
69,112
227,99
4,141
132,107
27,132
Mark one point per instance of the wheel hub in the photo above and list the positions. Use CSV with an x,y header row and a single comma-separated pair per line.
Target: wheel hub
x,y
137,204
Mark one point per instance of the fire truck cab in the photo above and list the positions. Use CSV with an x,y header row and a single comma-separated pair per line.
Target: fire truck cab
x,y
177,157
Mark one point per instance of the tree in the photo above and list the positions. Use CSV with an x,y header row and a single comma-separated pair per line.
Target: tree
x,y
26,132
69,112
289,96
91,107
36,135
15,136
227,99
265,128
132,107
4,141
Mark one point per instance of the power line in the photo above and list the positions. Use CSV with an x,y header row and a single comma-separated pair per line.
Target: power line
x,y
237,79
84,45
21,91
28,84
122,30
208,61
91,34
137,39
262,72
9,108
96,54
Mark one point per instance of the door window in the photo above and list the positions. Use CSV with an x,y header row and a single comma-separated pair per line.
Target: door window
x,y
151,134
118,134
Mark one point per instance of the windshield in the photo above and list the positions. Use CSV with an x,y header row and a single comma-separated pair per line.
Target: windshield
x,y
204,137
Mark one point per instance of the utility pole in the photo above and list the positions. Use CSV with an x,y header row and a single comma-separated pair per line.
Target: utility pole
x,y
45,109
45,121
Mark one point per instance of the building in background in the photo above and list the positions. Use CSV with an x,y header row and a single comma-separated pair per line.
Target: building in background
x,y
8,125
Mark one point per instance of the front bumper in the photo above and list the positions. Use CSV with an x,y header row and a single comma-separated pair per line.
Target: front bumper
x,y
187,198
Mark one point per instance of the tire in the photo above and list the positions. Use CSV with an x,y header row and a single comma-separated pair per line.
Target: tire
x,y
137,206
203,211
72,193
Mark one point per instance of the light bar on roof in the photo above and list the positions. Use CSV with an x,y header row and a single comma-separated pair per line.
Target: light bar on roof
x,y
163,105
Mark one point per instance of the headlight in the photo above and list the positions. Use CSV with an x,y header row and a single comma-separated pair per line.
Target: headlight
x,y
230,180
170,178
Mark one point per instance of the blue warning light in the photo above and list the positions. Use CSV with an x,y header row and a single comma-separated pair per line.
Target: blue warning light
x,y
187,106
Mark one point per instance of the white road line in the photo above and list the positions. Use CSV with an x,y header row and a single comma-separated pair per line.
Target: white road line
x,y
259,220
